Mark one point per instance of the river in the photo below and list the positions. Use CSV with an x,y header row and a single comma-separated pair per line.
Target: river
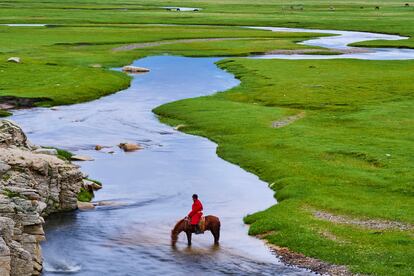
x,y
151,189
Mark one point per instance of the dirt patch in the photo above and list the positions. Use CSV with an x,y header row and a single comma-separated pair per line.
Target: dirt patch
x,y
263,235
296,51
351,157
302,261
299,260
167,42
288,120
314,51
329,236
12,102
369,224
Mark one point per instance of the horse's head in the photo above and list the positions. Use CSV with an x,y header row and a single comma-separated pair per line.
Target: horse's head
x,y
178,228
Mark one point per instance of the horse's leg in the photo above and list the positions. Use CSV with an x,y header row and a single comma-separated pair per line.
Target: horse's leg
x,y
188,237
216,234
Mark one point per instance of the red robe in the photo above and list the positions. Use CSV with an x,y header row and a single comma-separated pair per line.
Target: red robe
x,y
196,212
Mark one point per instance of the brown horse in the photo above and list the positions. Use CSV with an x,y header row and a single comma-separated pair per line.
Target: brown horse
x,y
212,224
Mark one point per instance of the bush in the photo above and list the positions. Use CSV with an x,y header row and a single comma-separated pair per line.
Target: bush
x,y
85,195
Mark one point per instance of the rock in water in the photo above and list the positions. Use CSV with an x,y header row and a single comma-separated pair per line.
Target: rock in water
x,y
134,69
14,59
32,186
129,146
85,205
81,158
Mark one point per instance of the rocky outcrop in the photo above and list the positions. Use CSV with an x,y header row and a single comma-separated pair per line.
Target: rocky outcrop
x,y
33,184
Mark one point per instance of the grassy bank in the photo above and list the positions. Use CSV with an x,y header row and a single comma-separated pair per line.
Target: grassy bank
x,y
347,157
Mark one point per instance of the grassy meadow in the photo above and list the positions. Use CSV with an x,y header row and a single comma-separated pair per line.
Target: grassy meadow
x,y
350,155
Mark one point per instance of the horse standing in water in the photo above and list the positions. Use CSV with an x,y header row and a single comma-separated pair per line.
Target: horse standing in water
x,y
212,224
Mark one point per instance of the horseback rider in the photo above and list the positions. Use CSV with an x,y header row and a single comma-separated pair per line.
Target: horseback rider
x,y
195,214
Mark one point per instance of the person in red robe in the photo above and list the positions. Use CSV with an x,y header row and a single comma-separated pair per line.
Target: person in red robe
x,y
196,213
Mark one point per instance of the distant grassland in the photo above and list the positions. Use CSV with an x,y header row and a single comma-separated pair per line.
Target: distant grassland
x,y
351,155
392,16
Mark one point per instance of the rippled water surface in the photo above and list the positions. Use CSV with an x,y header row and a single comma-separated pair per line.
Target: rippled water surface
x,y
151,189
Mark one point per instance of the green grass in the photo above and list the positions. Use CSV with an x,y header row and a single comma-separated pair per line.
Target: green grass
x,y
242,47
4,113
409,44
347,156
392,17
60,84
62,154
85,195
